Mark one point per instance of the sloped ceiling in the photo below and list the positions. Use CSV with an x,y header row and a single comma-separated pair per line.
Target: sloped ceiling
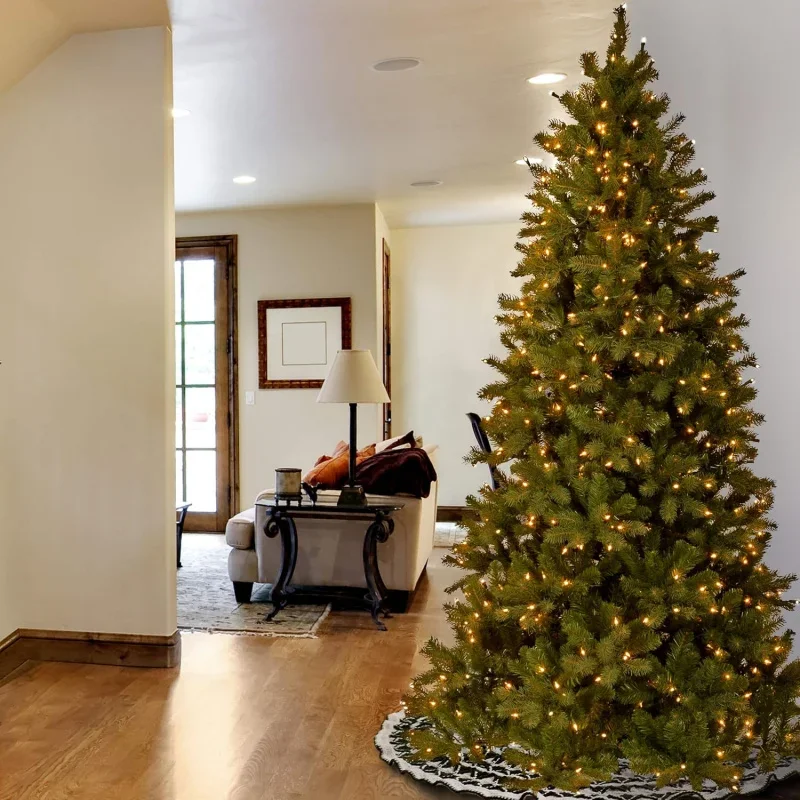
x,y
31,29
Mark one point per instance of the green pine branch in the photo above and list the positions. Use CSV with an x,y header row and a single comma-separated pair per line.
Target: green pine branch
x,y
615,601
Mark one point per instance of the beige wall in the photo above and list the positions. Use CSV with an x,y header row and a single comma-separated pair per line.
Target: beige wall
x,y
283,254
445,283
87,369
8,604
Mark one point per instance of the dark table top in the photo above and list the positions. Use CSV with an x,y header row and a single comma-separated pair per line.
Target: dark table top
x,y
327,506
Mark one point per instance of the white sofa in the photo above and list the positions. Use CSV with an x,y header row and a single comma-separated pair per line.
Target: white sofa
x,y
329,551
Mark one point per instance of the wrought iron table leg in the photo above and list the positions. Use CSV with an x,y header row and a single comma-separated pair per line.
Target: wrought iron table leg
x,y
288,532
182,509
379,531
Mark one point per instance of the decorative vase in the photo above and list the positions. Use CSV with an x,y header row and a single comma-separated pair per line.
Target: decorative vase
x,y
287,484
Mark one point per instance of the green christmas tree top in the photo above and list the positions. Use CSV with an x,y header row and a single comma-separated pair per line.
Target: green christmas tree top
x,y
616,602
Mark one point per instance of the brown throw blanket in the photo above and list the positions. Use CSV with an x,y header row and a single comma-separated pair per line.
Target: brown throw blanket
x,y
397,472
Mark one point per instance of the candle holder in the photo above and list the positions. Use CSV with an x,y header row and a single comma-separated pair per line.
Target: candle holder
x,y
287,486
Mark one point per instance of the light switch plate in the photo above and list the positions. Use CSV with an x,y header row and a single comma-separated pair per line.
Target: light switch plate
x,y
250,398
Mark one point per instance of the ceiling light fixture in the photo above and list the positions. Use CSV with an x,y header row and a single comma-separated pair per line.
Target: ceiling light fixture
x,y
547,77
242,179
396,64
523,162
177,113
426,184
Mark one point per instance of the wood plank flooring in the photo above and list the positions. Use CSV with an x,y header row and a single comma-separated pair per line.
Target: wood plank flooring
x,y
245,718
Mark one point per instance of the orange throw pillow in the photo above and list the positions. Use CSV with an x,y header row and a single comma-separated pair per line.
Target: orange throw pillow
x,y
332,473
364,453
337,451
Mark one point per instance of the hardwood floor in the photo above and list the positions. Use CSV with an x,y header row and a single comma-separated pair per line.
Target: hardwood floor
x,y
244,718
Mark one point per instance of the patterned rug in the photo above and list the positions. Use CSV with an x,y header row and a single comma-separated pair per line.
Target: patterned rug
x,y
486,778
447,534
206,601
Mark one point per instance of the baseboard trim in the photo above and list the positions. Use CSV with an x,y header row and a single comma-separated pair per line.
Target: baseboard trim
x,y
12,655
454,513
81,647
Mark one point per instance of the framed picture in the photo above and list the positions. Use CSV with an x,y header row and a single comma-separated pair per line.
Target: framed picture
x,y
298,339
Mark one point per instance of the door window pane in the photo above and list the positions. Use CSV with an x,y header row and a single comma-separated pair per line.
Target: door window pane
x,y
179,498
200,418
178,355
177,291
201,479
179,418
198,288
199,354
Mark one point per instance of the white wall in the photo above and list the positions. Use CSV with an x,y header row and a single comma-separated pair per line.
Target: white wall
x,y
730,67
445,283
284,254
86,450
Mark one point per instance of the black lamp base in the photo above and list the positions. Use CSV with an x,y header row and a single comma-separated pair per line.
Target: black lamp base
x,y
352,496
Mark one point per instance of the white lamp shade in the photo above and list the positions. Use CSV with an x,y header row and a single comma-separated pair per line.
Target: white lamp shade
x,y
353,378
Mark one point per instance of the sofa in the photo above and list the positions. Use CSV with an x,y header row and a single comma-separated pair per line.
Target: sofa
x,y
329,551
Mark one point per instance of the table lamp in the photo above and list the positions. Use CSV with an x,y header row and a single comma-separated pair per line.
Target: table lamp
x,y
353,379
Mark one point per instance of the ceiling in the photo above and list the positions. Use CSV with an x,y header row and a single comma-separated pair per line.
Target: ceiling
x,y
31,29
283,90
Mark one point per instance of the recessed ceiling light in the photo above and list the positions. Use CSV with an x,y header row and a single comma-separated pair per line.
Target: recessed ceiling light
x,y
396,64
547,77
244,179
523,162
426,184
177,113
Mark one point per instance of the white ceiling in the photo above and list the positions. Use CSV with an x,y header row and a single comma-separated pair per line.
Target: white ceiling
x,y
283,90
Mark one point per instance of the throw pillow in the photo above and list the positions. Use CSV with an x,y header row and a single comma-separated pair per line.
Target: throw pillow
x,y
333,472
340,448
391,444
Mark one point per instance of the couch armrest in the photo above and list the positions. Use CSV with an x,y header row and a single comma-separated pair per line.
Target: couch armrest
x,y
240,530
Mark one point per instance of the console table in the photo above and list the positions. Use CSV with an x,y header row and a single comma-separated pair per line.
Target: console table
x,y
180,509
280,521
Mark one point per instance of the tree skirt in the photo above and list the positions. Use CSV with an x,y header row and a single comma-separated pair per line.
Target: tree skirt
x,y
484,779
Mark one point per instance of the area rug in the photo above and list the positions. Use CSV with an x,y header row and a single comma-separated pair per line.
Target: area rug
x,y
206,601
448,534
485,779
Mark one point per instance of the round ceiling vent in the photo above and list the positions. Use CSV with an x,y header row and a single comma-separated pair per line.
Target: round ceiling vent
x,y
396,64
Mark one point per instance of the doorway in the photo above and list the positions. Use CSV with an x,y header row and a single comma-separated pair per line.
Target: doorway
x,y
206,380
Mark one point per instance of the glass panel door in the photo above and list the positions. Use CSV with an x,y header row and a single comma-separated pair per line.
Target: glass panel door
x,y
196,383
204,387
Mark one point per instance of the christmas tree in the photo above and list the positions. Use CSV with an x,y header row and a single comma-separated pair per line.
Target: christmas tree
x,y
616,603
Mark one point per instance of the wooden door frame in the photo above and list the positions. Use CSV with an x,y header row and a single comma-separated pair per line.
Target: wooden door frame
x,y
229,339
386,271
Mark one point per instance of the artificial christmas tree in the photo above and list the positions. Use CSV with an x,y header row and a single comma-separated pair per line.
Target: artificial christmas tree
x,y
616,602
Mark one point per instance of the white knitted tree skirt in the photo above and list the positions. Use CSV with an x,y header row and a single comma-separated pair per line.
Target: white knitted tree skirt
x,y
484,779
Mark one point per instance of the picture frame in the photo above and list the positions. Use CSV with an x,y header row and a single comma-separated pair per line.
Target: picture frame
x,y
298,339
